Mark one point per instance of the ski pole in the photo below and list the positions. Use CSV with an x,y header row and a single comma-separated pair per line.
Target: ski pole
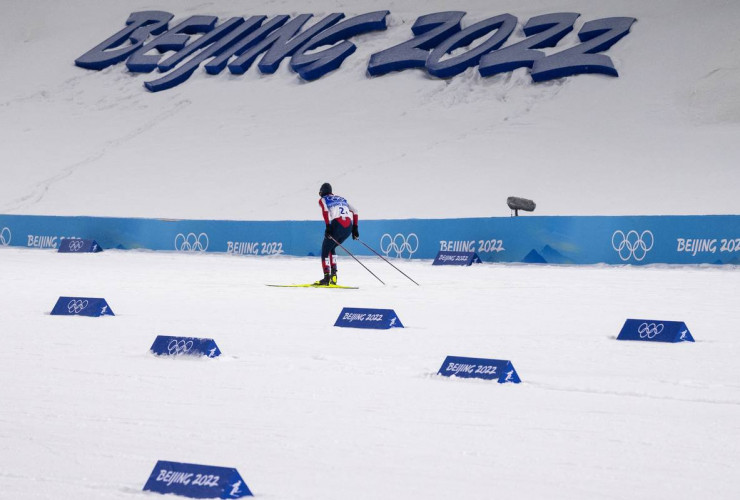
x,y
389,262
351,255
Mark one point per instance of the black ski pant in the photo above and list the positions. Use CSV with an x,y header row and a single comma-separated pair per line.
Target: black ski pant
x,y
329,246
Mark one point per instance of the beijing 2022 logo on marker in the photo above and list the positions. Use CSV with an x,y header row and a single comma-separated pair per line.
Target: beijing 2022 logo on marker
x,y
652,330
76,245
75,306
179,346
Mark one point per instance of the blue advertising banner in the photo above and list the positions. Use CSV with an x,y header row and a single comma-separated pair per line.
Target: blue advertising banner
x,y
488,369
166,345
379,319
196,481
444,258
637,240
81,306
78,245
651,330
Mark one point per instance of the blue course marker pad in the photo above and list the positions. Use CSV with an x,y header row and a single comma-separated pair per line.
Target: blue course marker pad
x,y
81,306
196,481
488,369
380,319
78,245
166,345
651,330
445,258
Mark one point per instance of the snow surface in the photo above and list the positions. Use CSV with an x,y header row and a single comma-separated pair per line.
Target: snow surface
x,y
662,138
307,410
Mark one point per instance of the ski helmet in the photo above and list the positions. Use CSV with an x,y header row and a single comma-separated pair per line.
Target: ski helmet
x,y
325,189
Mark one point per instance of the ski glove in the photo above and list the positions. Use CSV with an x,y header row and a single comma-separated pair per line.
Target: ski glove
x,y
327,232
355,232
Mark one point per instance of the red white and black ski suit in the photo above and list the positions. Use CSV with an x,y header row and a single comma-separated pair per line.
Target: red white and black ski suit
x,y
339,217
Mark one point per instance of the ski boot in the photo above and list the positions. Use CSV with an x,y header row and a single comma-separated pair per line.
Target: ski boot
x,y
333,277
325,281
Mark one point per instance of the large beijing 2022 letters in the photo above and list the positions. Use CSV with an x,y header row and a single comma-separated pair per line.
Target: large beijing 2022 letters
x,y
81,306
166,345
379,319
78,245
440,44
651,330
316,64
445,258
196,481
488,369
122,44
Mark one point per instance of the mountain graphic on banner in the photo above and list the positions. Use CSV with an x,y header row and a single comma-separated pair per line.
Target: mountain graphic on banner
x,y
533,257
553,256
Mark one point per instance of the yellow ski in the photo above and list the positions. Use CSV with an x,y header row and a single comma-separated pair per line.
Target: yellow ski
x,y
312,285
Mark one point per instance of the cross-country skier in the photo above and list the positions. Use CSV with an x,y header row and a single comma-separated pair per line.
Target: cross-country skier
x,y
341,220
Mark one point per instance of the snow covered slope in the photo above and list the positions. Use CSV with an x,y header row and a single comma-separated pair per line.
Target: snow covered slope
x,y
659,139
305,410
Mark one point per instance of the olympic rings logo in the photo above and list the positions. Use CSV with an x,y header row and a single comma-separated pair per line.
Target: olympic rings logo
x,y
633,244
181,346
74,306
650,331
191,242
399,244
75,245
5,237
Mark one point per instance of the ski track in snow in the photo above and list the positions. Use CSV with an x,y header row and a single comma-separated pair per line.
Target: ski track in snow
x,y
304,409
633,394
